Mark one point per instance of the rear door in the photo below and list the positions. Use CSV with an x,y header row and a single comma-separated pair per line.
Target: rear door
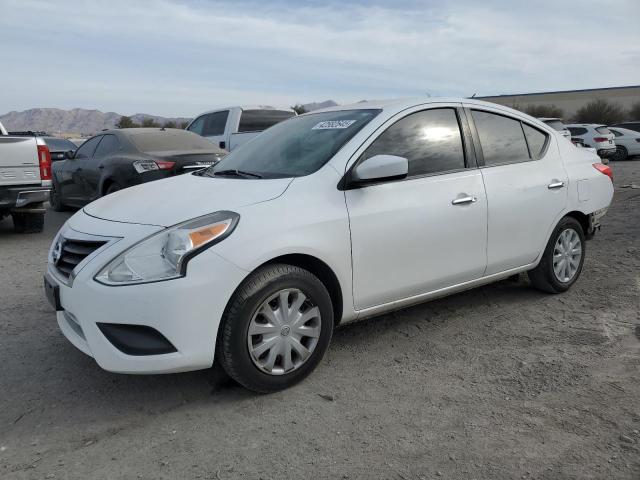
x,y
526,186
428,231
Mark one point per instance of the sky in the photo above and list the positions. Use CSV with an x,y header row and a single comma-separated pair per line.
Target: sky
x,y
181,57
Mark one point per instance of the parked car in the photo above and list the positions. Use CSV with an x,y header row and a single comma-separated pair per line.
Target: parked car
x,y
59,147
595,136
233,126
627,143
117,159
25,179
558,125
326,218
635,126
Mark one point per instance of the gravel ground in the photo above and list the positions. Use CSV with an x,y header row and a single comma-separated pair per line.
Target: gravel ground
x,y
499,382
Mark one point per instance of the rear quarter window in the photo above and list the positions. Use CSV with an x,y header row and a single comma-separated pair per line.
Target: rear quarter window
x,y
258,120
536,140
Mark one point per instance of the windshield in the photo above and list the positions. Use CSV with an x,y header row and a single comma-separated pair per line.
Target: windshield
x,y
603,130
296,147
170,140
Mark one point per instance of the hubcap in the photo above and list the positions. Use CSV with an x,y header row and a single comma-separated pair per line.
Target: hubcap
x,y
566,255
283,332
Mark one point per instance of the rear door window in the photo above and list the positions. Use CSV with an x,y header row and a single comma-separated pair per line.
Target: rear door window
x,y
502,138
577,131
430,140
258,120
108,145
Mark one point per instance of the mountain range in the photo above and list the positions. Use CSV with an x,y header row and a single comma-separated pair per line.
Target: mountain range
x,y
79,121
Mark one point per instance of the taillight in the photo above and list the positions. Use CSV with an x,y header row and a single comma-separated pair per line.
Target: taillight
x,y
604,169
44,158
600,139
165,165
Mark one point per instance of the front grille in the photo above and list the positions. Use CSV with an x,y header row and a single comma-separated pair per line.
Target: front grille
x,y
72,252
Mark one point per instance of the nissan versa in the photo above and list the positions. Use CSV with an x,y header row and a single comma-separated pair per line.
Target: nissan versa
x,y
328,217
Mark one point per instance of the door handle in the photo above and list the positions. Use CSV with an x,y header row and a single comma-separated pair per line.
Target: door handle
x,y
463,200
555,184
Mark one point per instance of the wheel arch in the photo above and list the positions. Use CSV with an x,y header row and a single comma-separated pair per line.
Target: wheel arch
x,y
321,270
580,217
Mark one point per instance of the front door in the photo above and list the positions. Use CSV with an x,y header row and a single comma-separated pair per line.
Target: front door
x,y
428,231
72,188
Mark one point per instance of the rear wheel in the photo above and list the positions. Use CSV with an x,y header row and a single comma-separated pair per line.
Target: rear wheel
x,y
562,260
621,154
113,187
276,328
28,222
54,199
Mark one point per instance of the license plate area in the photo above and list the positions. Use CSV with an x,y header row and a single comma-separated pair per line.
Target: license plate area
x,y
52,291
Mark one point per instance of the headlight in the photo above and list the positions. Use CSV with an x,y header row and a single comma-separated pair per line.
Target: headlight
x,y
164,255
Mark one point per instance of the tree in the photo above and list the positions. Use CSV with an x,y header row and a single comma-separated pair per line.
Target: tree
x,y
183,125
600,111
126,122
544,111
634,112
299,109
149,123
170,124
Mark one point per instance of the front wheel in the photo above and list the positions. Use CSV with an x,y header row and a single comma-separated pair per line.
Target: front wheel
x,y
276,328
54,198
621,154
562,260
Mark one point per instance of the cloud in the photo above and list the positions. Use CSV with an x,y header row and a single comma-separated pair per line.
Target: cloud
x,y
181,57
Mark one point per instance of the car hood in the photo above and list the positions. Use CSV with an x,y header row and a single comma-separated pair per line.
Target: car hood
x,y
168,202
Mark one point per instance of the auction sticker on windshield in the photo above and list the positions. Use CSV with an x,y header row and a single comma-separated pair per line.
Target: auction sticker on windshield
x,y
333,124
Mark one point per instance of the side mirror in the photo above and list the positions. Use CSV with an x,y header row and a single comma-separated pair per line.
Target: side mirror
x,y
379,168
70,154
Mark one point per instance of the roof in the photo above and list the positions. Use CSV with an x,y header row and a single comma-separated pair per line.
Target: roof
x,y
560,91
247,107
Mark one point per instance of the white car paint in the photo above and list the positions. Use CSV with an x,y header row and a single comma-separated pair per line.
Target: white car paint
x,y
629,139
232,135
589,132
389,245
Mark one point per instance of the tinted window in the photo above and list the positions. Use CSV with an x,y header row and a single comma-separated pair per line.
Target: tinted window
x,y
555,124
577,130
536,140
59,144
297,147
501,138
87,148
197,125
430,140
616,132
210,124
258,120
170,140
603,130
108,145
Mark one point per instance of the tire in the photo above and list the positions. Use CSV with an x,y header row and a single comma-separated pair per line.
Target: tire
x,y
621,154
113,187
28,222
544,276
235,344
54,199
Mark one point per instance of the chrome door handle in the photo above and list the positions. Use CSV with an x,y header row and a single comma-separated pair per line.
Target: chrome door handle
x,y
463,200
555,184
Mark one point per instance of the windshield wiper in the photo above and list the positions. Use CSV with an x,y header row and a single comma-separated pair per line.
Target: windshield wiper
x,y
236,173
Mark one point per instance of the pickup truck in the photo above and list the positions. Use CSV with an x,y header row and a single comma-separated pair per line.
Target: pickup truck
x,y
25,180
230,127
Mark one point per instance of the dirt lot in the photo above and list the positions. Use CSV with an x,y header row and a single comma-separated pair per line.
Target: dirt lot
x,y
500,382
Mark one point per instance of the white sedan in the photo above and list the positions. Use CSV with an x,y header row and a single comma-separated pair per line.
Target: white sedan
x,y
627,143
325,218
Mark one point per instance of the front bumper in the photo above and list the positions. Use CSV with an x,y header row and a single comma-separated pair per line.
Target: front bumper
x,y
185,311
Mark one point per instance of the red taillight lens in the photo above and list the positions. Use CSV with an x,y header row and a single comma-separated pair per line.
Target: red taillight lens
x,y
600,139
44,157
165,165
604,169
